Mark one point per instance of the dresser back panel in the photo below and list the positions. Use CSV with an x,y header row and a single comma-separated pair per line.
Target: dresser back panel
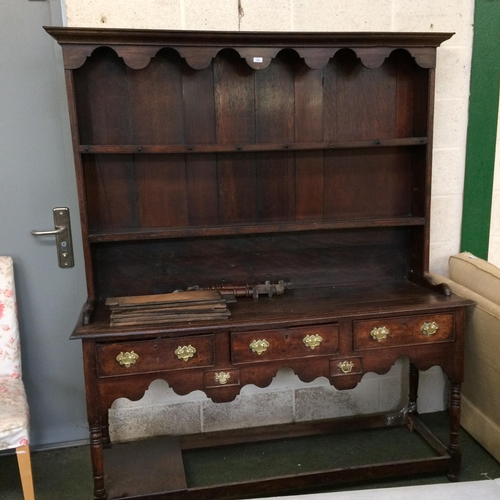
x,y
325,258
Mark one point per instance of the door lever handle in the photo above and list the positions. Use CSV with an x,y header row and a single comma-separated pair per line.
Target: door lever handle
x,y
62,232
59,230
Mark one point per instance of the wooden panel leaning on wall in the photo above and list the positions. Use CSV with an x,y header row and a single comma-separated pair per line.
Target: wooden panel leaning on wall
x,y
214,160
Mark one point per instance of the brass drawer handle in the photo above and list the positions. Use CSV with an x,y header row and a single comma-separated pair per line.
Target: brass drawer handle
x,y
429,328
380,333
222,377
346,366
312,341
127,359
185,352
259,346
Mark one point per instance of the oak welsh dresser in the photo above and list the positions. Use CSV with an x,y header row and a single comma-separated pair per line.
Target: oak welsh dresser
x,y
215,158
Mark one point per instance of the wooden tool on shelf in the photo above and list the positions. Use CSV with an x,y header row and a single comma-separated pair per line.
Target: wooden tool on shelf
x,y
199,305
266,288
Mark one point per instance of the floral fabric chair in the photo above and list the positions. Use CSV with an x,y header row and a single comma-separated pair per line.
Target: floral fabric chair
x,y
14,414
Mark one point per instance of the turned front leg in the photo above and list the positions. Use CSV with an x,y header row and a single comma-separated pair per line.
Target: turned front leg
x,y
454,448
106,441
95,417
97,457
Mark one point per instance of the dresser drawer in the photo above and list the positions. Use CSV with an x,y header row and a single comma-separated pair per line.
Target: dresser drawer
x,y
154,355
286,343
404,330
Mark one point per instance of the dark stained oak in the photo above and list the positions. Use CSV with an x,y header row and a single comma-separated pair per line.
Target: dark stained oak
x,y
216,158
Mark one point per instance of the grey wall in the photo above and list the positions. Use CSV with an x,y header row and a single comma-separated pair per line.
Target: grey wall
x,y
37,174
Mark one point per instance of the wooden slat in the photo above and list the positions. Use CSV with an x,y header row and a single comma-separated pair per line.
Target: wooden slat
x,y
316,479
377,194
103,78
155,100
424,101
171,319
426,433
309,187
198,105
237,183
261,146
274,102
145,234
110,192
196,296
365,98
234,100
144,467
201,182
283,431
405,98
310,103
198,305
274,117
161,190
330,111
192,309
199,123
276,187
309,177
235,122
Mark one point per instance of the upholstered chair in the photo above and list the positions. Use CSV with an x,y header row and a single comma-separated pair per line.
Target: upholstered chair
x,y
14,413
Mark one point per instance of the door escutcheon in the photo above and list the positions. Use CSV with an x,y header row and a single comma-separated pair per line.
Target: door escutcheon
x,y
62,232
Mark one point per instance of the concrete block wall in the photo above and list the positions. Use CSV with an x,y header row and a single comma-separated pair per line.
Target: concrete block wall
x,y
287,398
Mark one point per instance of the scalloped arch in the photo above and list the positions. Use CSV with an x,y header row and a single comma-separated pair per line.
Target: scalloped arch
x,y
423,57
317,58
137,57
198,57
74,59
373,57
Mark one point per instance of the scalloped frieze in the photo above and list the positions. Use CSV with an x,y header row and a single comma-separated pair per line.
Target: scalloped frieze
x,y
138,57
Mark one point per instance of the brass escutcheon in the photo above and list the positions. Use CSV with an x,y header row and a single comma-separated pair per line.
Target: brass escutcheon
x,y
185,352
222,377
312,341
346,366
380,333
259,346
429,328
127,359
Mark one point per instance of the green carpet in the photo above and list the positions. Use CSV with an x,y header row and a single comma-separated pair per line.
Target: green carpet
x,y
65,474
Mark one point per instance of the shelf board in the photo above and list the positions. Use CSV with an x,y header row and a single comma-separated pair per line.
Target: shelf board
x,y
256,147
236,229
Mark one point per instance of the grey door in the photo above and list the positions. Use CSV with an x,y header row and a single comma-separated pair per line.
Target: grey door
x,y
37,174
